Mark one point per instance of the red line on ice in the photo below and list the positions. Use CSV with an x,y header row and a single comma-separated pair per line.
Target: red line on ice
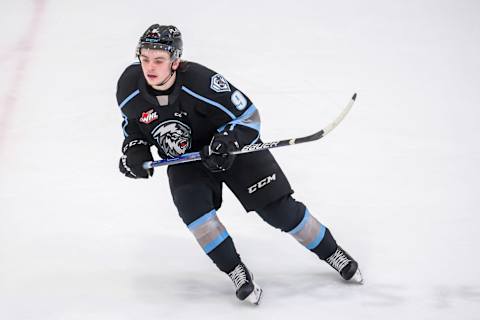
x,y
20,55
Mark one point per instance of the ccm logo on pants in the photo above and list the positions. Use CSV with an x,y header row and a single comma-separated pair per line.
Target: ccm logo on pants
x,y
262,183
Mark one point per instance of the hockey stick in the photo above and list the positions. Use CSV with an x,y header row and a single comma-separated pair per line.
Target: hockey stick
x,y
195,156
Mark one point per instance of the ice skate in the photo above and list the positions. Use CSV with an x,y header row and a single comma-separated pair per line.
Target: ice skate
x,y
246,288
341,261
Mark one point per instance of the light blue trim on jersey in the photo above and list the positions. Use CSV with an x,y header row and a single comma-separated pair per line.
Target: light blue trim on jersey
x,y
125,119
318,238
215,242
245,116
222,128
124,102
211,102
243,121
207,216
130,97
255,140
240,120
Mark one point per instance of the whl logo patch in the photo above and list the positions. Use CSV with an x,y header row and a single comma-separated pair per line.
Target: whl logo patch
x,y
149,116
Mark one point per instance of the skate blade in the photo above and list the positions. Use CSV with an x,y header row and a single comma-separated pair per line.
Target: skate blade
x,y
256,295
357,277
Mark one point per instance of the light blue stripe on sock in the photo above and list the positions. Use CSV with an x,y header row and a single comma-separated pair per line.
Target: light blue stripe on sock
x,y
301,224
215,242
318,238
207,216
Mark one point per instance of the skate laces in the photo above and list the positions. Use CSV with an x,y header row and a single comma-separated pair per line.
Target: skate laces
x,y
238,276
338,260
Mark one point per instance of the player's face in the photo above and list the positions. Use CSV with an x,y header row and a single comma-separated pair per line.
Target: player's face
x,y
156,65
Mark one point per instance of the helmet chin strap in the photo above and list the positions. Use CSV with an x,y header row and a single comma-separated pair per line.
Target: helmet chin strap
x,y
168,77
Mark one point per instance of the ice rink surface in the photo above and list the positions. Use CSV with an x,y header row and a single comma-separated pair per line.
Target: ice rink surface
x,y
397,182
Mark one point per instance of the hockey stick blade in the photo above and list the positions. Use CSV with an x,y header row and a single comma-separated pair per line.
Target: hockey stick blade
x,y
195,156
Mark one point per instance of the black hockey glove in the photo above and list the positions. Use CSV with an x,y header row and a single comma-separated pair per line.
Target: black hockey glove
x,y
135,153
216,156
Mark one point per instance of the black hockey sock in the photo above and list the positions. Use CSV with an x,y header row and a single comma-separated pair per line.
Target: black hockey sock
x,y
225,256
326,247
292,216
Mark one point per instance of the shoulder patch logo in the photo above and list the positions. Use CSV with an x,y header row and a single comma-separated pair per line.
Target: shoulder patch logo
x,y
219,84
148,116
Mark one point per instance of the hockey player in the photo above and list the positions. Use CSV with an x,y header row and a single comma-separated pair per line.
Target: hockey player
x,y
180,106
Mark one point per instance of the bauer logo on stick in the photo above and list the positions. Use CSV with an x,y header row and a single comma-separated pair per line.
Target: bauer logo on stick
x,y
259,146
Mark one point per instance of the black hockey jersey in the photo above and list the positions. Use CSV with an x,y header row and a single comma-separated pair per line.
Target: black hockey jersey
x,y
184,119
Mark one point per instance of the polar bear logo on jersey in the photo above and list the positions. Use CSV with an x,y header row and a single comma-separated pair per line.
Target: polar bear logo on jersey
x,y
174,137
